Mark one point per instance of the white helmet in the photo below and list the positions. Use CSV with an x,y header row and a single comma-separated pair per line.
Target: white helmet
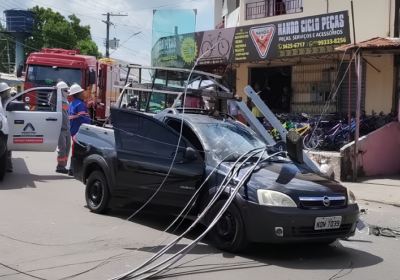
x,y
13,91
74,89
4,87
62,85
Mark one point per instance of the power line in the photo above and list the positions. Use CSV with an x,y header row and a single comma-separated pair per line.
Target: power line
x,y
125,41
100,19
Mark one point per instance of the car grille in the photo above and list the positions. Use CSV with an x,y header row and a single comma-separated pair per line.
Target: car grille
x,y
318,202
311,232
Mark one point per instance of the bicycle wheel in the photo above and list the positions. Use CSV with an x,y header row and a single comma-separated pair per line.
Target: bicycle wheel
x,y
340,139
223,47
206,48
312,140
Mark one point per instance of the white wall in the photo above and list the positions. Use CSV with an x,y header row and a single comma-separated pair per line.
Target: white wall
x,y
217,12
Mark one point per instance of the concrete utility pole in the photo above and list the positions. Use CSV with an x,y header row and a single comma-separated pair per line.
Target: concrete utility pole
x,y
108,23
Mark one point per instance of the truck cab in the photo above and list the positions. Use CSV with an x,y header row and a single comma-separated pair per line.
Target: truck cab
x,y
52,66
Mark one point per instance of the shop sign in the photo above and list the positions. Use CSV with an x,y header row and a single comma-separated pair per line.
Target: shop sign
x,y
302,36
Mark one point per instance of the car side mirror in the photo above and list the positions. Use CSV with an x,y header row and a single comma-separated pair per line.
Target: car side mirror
x,y
16,106
190,154
294,145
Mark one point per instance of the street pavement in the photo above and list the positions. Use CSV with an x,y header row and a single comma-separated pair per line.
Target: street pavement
x,y
47,232
383,189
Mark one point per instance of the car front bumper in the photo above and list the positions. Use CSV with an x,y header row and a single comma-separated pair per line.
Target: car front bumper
x,y
297,224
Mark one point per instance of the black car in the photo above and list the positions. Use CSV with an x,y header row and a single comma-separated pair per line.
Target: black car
x,y
280,203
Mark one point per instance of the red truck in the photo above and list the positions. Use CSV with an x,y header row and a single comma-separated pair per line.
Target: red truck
x,y
96,77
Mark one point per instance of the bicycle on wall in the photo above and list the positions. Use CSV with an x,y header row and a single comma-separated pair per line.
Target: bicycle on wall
x,y
223,46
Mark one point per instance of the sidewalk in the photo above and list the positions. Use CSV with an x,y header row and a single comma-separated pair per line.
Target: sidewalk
x,y
383,189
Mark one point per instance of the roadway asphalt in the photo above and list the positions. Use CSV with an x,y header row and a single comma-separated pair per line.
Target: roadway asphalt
x,y
46,232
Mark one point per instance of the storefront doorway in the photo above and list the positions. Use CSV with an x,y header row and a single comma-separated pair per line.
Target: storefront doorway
x,y
275,85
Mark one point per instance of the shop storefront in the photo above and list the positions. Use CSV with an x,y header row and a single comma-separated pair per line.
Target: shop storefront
x,y
296,60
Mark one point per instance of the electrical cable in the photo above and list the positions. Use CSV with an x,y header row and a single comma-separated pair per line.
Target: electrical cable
x,y
126,41
191,245
167,247
164,178
99,18
34,32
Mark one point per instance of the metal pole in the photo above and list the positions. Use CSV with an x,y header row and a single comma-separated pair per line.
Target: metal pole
x,y
354,27
108,35
349,137
8,54
357,132
276,123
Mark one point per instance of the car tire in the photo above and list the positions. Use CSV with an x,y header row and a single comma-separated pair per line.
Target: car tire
x,y
97,193
229,232
3,165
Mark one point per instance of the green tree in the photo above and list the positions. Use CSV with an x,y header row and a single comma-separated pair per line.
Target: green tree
x,y
53,30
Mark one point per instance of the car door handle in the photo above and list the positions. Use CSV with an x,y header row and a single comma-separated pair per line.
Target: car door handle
x,y
51,119
80,143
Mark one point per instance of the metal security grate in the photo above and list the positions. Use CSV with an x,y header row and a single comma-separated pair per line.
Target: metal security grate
x,y
271,8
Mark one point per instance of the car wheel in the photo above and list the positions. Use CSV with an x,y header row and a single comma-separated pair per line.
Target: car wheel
x,y
3,165
229,233
97,193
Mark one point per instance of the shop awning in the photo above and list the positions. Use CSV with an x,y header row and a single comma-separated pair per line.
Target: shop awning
x,y
375,45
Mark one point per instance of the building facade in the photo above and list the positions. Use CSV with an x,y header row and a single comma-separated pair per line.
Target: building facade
x,y
315,73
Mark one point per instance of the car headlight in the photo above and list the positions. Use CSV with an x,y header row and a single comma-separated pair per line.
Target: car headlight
x,y
273,198
351,197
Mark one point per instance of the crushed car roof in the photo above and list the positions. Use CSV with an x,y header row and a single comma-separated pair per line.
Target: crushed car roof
x,y
194,115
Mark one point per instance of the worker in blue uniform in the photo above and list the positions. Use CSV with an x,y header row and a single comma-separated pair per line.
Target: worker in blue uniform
x,y
78,114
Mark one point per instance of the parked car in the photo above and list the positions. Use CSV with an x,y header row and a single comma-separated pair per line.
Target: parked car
x,y
123,166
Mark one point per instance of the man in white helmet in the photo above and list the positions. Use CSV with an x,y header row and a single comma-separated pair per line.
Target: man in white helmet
x,y
78,114
64,140
5,94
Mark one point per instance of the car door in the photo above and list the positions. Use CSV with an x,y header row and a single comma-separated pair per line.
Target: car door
x,y
35,128
145,151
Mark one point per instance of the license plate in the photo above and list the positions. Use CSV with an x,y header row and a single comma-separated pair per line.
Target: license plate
x,y
327,222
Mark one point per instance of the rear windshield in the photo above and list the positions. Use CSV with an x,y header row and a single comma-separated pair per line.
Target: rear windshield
x,y
51,75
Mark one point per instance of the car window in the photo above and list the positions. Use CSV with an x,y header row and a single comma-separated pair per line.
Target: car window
x,y
39,100
188,133
157,102
230,139
140,134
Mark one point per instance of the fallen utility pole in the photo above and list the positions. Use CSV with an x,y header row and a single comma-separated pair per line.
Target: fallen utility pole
x,y
254,123
108,23
276,123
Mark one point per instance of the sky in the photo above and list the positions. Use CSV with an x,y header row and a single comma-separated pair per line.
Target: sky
x,y
136,49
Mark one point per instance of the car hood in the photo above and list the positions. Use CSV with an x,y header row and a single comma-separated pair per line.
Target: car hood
x,y
285,178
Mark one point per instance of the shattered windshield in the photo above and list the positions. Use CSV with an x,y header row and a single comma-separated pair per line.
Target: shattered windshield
x,y
225,139
47,75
